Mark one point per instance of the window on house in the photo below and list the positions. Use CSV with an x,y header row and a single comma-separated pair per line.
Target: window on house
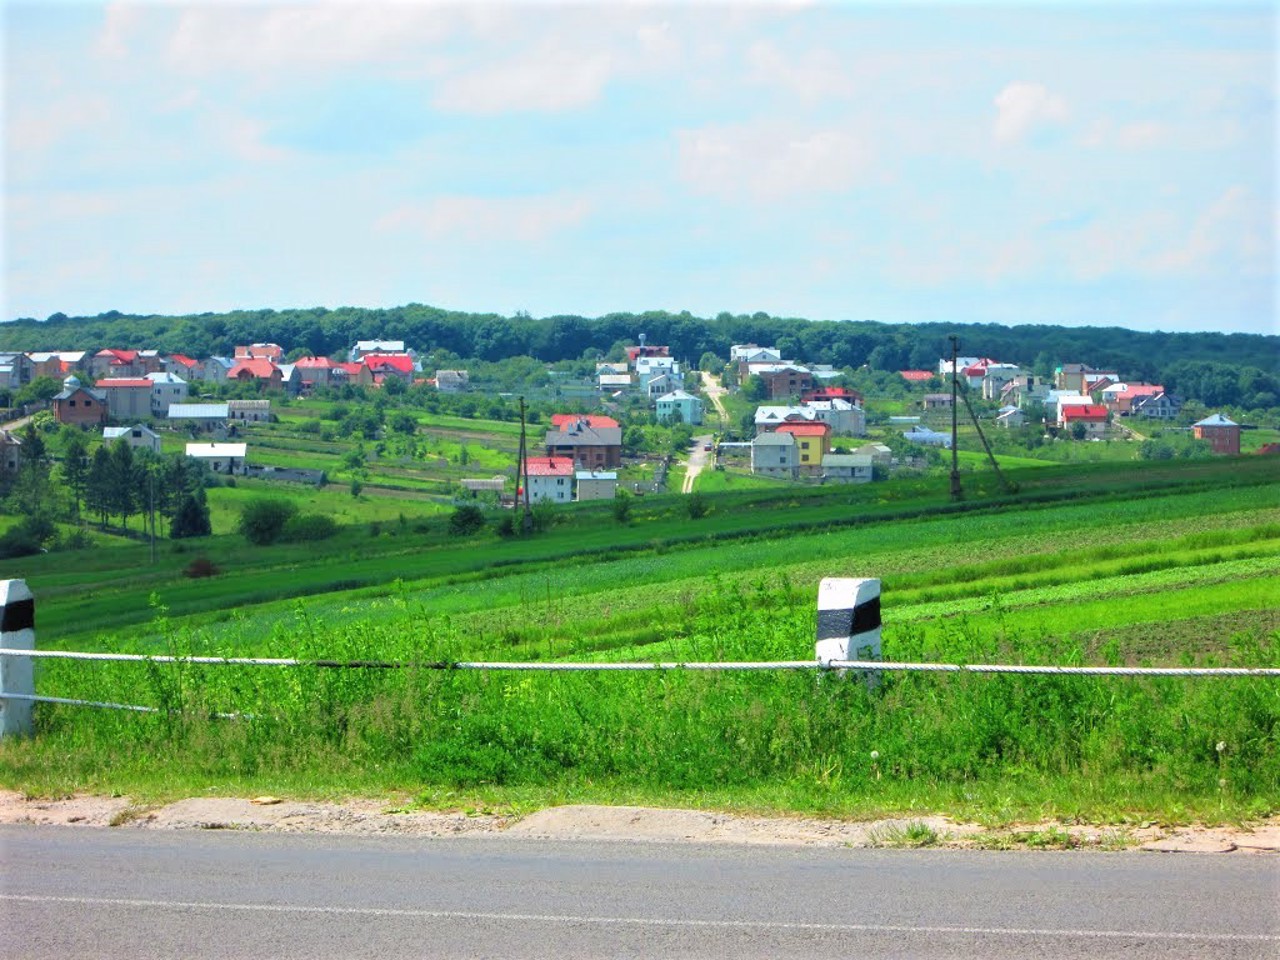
x,y
71,403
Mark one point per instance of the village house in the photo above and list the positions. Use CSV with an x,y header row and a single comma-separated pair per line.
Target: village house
x,y
256,370
832,393
1055,400
843,417
139,437
166,389
936,401
743,353
646,350
782,380
1092,416
596,484
452,381
613,382
200,418
128,398
944,365
847,468
249,411
591,442
680,407
1119,398
213,369
224,458
313,371
363,348
916,376
878,452
774,455
57,363
79,405
260,351
550,479
1155,406
813,442
375,368
125,364
1222,433
180,365
15,370
10,452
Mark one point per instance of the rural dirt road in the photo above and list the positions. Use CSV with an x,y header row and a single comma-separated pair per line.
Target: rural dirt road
x,y
698,459
715,392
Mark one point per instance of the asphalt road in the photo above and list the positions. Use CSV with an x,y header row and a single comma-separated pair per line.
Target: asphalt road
x,y
68,892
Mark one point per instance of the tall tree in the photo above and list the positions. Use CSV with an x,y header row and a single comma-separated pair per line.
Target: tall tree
x,y
75,467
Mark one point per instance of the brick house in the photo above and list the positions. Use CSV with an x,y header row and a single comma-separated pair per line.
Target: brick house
x,y
79,405
783,379
1223,434
593,443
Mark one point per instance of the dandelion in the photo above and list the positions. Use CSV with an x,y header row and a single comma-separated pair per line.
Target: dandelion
x,y
1222,745
875,754
1222,784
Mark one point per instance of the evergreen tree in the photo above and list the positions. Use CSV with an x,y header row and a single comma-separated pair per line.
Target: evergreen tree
x,y
97,493
75,467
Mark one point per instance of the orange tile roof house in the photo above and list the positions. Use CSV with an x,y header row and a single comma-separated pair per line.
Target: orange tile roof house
x,y
916,376
249,369
260,351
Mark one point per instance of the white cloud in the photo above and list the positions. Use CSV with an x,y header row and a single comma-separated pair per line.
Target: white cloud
x,y
816,75
547,81
38,129
485,219
1022,107
308,36
118,24
770,162
1234,226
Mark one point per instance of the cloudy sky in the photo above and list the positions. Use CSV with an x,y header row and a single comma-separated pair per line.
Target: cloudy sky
x,y
1093,164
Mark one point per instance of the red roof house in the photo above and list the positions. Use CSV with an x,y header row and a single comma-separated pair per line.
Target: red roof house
x,y
595,420
812,443
256,368
1093,416
916,376
378,366
550,478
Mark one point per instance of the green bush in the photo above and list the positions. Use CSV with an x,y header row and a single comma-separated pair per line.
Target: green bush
x,y
263,519
310,526
27,537
466,520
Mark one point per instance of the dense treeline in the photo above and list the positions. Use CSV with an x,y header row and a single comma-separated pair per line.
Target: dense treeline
x,y
1215,368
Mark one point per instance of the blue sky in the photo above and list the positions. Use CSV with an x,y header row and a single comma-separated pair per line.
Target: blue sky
x,y
1039,163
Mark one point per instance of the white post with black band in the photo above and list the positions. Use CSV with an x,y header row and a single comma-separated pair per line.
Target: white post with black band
x,y
848,619
17,632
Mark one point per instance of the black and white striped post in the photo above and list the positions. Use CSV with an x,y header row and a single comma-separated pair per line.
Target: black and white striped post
x,y
848,619
17,632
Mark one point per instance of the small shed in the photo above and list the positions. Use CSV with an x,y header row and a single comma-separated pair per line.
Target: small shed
x,y
596,484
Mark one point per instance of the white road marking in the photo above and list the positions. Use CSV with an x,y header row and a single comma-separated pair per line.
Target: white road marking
x,y
568,919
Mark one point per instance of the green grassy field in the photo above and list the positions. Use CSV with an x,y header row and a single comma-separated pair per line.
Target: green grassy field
x,y
1111,563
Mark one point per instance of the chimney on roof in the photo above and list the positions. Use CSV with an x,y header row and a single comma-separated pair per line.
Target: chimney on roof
x,y
642,341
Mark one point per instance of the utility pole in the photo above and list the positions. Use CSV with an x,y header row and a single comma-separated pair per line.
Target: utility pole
x,y
956,492
522,477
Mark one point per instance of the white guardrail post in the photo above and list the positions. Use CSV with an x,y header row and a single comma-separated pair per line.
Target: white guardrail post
x,y
17,632
848,620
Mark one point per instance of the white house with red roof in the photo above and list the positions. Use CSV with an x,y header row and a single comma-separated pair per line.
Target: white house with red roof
x,y
1092,416
314,371
550,479
260,351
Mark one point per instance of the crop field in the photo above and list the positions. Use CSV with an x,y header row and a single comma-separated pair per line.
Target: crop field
x,y
1166,564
